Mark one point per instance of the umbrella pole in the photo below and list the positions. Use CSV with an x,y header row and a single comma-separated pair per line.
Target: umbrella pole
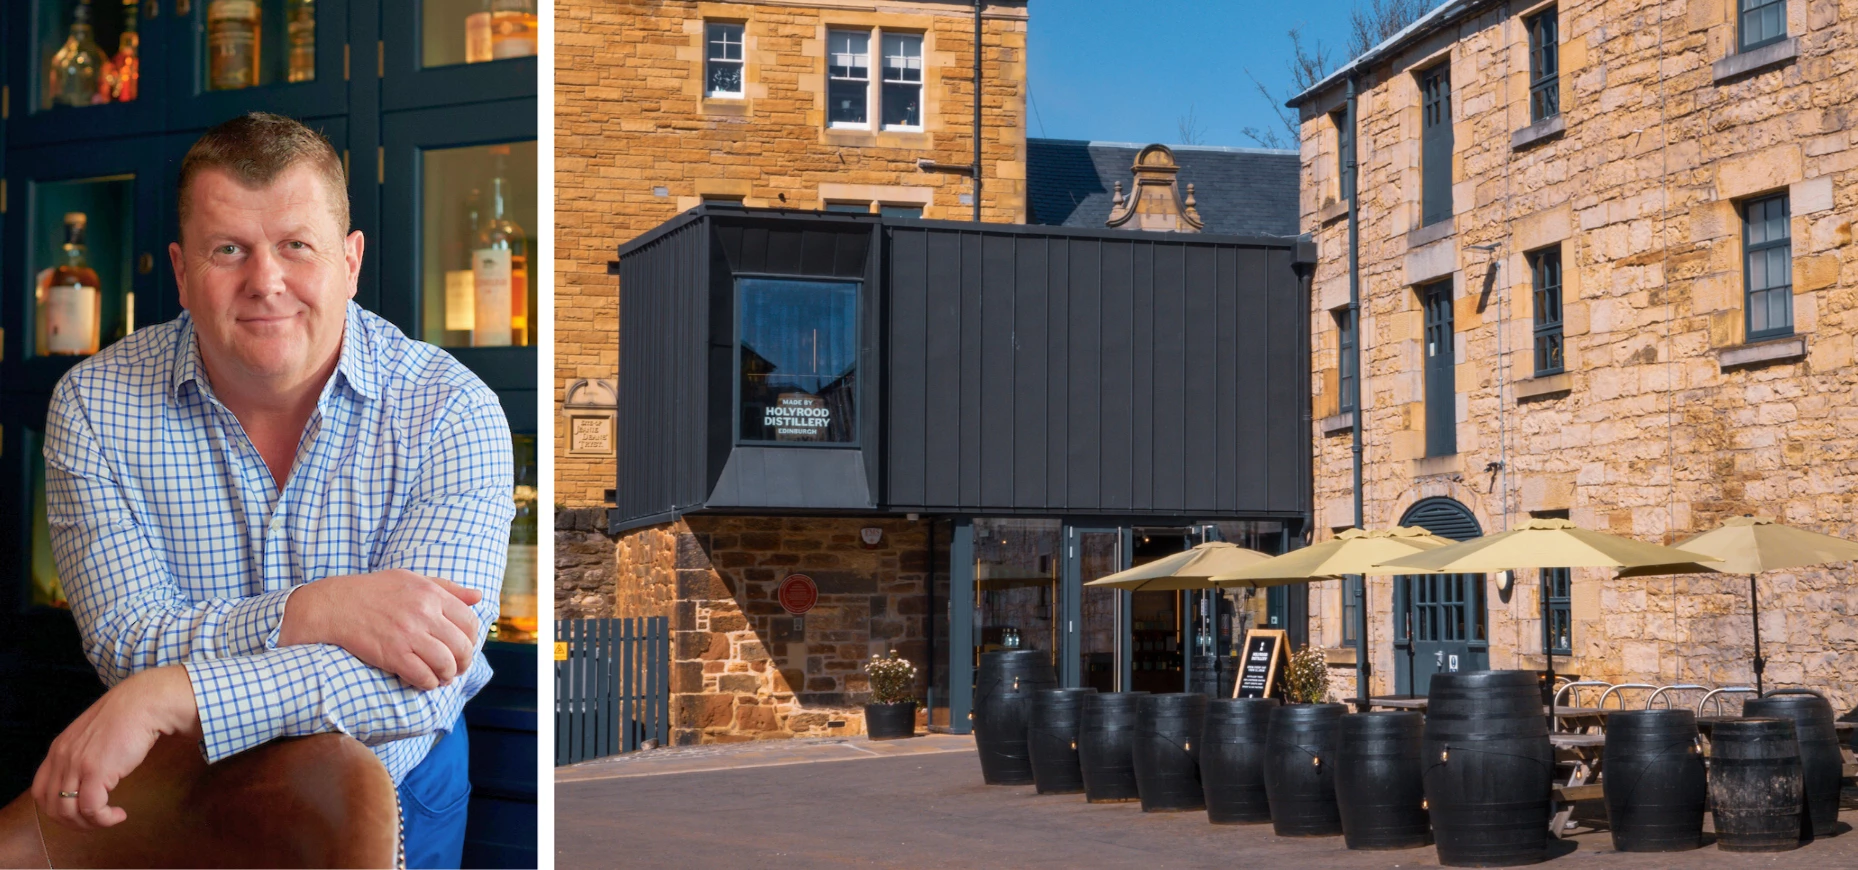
x,y
1754,604
1548,646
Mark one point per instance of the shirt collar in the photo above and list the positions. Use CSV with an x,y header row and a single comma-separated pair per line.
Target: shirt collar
x,y
358,365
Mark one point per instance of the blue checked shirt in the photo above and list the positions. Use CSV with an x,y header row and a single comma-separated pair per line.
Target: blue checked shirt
x,y
175,544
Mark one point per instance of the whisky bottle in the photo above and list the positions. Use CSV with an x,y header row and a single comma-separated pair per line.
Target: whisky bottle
x,y
513,28
517,604
69,298
76,73
300,23
232,44
477,34
500,271
460,288
124,77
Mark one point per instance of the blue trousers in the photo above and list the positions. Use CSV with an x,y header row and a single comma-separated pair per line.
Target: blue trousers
x,y
433,799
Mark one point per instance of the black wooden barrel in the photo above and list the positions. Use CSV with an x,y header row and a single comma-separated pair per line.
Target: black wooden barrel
x,y
1488,768
1051,740
1299,769
1378,784
1003,693
1232,754
1215,676
1106,747
1757,791
1822,765
1655,784
1166,751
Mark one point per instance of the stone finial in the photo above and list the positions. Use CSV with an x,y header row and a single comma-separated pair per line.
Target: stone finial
x,y
1155,203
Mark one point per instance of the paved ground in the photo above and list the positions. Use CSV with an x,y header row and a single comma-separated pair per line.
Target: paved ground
x,y
920,803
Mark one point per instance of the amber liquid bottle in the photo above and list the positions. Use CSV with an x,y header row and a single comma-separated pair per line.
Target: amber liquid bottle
x,y
232,44
300,21
76,73
124,77
69,299
514,28
500,270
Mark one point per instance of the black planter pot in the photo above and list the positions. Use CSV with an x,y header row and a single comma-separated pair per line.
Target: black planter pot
x,y
890,721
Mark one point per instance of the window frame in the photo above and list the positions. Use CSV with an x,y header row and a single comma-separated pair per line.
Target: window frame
x,y
1348,360
884,81
868,34
1546,293
1344,189
1749,252
710,62
1351,608
1741,24
1544,29
858,328
1435,97
1557,588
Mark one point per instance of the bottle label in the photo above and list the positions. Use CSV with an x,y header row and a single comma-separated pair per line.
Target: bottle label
x,y
477,37
519,299
490,277
72,310
460,300
232,44
513,34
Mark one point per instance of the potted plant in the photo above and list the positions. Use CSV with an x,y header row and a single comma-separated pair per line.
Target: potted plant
x,y
892,711
1306,678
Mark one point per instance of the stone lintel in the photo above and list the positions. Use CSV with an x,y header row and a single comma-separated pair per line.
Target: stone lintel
x,y
1789,349
1332,212
1336,424
1747,62
1540,131
1428,466
1550,385
1430,233
1340,656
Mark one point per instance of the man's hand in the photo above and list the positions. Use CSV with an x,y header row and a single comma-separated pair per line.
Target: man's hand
x,y
108,742
421,629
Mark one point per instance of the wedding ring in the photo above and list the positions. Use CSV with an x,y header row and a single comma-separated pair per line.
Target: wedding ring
x,y
68,794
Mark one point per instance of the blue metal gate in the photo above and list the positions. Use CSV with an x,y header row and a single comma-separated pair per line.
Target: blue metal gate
x,y
612,691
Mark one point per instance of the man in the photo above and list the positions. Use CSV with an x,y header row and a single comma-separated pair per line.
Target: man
x,y
276,515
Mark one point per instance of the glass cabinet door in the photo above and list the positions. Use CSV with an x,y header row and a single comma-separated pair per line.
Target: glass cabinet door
x,y
283,56
440,52
516,621
81,254
81,73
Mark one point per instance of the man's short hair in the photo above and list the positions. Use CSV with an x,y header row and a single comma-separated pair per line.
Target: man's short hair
x,y
258,147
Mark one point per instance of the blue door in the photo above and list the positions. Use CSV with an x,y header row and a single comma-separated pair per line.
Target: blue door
x,y
1439,620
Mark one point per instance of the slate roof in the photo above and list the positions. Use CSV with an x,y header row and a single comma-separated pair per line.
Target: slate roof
x,y
1238,191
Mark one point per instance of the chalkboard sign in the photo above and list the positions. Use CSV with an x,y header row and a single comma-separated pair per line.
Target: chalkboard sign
x,y
1262,664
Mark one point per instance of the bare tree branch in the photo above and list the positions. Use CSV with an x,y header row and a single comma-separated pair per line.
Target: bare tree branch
x,y
1192,131
1370,25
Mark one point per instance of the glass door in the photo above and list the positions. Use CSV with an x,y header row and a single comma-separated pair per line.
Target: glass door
x,y
441,52
1016,591
1096,618
291,57
78,70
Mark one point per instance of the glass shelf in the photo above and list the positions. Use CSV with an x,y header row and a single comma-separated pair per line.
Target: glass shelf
x,y
67,317
517,620
81,45
477,285
456,32
254,43
46,590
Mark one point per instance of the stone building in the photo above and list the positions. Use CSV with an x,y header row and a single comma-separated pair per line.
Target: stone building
x,y
1602,250
806,104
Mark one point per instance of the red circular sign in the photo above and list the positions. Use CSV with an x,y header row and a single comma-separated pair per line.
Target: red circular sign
x,y
798,594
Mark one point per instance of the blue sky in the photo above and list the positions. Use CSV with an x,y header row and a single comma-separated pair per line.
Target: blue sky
x,y
1127,70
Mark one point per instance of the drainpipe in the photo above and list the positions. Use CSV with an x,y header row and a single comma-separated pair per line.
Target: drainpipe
x,y
1364,669
977,111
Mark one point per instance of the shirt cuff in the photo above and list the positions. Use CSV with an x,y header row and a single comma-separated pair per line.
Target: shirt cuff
x,y
253,624
241,699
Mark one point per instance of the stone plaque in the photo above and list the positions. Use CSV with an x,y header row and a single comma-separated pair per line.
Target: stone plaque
x,y
590,434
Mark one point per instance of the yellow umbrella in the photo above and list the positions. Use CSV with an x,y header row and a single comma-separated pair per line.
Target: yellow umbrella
x,y
1546,544
1188,569
1751,545
1352,552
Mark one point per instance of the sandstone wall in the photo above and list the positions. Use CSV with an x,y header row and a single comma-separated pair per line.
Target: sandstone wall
x,y
1650,434
637,142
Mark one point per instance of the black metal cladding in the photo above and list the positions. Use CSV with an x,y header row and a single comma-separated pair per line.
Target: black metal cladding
x,y
1009,369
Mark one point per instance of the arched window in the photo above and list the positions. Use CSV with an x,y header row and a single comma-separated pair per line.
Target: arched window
x,y
1439,618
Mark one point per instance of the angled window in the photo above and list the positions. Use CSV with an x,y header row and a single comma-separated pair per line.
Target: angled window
x,y
722,66
797,359
1545,271
903,81
1760,22
1345,185
1435,170
1558,632
1544,66
849,207
848,78
1441,374
1767,267
1347,361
